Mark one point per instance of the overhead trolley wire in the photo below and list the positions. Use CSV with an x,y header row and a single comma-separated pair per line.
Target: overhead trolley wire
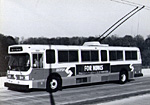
x,y
118,21
137,4
125,19
131,3
123,2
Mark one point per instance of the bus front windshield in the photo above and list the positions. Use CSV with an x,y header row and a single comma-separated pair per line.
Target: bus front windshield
x,y
19,62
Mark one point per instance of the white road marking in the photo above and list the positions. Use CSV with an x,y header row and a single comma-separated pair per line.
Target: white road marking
x,y
22,97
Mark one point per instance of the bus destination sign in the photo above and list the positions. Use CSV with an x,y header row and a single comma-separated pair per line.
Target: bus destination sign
x,y
13,49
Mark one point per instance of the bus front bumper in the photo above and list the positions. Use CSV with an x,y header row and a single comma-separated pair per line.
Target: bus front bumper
x,y
16,86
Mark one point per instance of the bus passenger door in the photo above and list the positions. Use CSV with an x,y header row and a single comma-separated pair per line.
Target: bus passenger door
x,y
37,60
37,64
37,74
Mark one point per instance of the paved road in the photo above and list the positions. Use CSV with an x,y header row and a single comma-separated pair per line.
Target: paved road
x,y
137,100
90,94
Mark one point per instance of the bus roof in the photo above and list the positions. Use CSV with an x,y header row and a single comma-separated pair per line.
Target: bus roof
x,y
86,45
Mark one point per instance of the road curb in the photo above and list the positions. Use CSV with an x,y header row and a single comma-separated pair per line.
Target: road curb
x,y
107,98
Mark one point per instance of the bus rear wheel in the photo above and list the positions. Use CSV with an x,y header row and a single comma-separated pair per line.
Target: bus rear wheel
x,y
123,77
53,84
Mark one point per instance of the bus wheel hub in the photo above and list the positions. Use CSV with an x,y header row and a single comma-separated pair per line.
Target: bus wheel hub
x,y
53,84
123,77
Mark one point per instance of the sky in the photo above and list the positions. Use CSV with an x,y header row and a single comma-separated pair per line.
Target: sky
x,y
69,18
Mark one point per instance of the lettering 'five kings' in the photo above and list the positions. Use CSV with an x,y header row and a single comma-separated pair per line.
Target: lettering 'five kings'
x,y
93,68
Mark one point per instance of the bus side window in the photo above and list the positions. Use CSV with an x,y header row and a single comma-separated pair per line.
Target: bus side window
x,y
37,61
103,55
131,55
50,56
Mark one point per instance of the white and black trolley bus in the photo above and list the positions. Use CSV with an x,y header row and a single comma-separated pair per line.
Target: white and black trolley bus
x,y
53,66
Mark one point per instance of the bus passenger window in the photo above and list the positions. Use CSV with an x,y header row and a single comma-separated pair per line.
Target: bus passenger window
x,y
37,61
131,55
94,56
50,56
120,55
63,56
112,56
67,56
73,56
103,55
115,55
85,55
134,55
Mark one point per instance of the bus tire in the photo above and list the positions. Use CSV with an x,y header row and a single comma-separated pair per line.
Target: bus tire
x,y
53,84
123,77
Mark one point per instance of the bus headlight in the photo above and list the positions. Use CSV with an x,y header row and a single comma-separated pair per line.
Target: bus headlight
x,y
26,77
22,77
8,76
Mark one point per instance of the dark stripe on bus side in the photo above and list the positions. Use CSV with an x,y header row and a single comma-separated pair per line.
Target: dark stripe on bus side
x,y
118,68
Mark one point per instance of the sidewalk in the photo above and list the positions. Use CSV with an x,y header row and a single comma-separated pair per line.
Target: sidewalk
x,y
146,72
2,80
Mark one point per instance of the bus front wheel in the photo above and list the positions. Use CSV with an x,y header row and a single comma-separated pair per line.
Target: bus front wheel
x,y
123,77
53,84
